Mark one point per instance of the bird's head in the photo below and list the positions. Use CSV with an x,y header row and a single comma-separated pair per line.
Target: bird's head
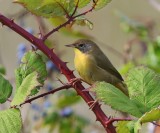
x,y
84,45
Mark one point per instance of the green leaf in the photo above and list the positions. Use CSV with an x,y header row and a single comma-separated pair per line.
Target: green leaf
x,y
30,5
82,3
31,62
150,116
2,70
153,115
48,8
122,127
18,76
51,10
144,88
28,84
101,3
5,89
115,98
10,121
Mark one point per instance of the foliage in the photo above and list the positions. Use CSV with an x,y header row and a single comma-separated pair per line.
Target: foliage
x,y
143,101
10,121
34,67
5,89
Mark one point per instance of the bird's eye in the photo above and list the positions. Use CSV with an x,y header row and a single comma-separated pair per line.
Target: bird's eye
x,y
81,45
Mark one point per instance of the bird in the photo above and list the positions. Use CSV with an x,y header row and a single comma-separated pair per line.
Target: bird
x,y
93,65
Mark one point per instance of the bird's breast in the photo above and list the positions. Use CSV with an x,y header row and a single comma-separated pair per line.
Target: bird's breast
x,y
84,64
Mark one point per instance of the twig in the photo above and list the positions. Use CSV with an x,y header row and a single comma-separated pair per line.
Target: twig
x,y
67,86
75,9
72,18
63,9
154,123
84,13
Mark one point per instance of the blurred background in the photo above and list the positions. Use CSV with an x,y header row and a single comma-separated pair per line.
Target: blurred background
x,y
126,30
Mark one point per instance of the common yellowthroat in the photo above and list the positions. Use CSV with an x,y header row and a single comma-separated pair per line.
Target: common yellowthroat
x,y
92,65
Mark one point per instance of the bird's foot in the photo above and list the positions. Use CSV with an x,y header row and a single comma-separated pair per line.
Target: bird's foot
x,y
92,104
88,89
75,80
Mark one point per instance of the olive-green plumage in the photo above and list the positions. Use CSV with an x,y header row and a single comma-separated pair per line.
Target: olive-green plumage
x,y
92,64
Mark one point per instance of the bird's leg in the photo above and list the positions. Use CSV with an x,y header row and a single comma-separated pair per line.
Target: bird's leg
x,y
75,80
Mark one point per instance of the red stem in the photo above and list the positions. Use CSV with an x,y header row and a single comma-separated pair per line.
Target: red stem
x,y
100,115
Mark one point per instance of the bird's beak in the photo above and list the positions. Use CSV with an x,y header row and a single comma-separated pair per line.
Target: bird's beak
x,y
70,45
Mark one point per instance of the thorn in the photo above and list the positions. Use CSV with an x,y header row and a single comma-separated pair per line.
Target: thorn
x,y
58,79
50,56
33,48
97,119
65,63
51,49
12,20
3,25
72,71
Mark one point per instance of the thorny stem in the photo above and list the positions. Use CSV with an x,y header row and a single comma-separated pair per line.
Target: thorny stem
x,y
67,86
39,43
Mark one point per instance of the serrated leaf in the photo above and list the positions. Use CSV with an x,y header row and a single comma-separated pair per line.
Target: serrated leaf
x,y
122,127
28,84
150,116
48,8
51,10
18,76
30,5
5,89
32,61
10,121
101,3
153,115
115,98
144,88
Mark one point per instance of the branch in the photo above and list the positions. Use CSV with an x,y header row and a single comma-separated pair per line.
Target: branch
x,y
67,86
156,124
71,19
39,43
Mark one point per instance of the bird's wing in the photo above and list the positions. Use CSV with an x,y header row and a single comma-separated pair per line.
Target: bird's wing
x,y
104,63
